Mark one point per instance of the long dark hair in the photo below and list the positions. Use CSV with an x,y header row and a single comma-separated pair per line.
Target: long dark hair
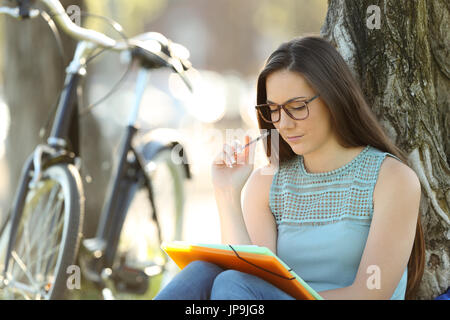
x,y
354,122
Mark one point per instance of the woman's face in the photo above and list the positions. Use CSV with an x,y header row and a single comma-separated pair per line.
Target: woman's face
x,y
312,133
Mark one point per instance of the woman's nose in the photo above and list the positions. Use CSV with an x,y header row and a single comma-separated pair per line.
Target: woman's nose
x,y
285,120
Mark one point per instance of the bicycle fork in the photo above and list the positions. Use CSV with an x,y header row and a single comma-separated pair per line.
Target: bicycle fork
x,y
102,247
97,245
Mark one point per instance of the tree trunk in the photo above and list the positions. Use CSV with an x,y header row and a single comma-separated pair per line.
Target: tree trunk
x,y
403,68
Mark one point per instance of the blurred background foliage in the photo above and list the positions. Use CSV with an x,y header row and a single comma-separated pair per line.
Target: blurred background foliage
x,y
131,14
240,28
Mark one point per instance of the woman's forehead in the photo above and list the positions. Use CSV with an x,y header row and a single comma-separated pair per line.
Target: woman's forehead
x,y
284,85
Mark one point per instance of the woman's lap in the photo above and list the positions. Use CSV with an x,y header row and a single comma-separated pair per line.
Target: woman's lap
x,y
194,282
201,280
237,285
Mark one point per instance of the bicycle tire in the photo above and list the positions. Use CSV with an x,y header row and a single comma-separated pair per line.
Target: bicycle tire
x,y
154,255
70,219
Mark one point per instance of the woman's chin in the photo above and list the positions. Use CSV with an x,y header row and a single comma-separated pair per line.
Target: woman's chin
x,y
299,148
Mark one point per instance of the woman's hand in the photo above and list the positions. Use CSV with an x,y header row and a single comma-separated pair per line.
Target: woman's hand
x,y
230,169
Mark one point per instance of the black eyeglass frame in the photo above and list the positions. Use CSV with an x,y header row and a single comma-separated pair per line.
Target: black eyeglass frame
x,y
283,106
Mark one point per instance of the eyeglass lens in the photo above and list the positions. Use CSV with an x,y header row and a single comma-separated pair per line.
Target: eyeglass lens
x,y
295,109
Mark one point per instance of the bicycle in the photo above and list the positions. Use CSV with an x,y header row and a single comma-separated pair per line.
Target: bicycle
x,y
42,234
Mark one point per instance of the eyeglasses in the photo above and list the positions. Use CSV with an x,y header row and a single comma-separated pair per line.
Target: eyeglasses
x,y
296,108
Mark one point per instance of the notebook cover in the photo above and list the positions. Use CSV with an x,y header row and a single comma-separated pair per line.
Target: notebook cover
x,y
256,260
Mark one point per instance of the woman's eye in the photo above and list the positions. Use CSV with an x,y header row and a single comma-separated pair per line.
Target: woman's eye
x,y
297,105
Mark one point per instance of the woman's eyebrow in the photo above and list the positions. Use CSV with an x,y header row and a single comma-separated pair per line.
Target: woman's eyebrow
x,y
295,98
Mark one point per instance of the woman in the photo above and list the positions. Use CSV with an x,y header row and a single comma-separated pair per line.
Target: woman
x,y
342,210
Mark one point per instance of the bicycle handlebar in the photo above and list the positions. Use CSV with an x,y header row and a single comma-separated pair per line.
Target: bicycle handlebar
x,y
59,15
163,50
15,12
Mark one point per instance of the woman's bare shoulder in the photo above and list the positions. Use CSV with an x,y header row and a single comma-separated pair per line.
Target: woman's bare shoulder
x,y
394,175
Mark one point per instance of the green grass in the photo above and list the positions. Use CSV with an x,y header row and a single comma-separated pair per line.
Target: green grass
x,y
88,291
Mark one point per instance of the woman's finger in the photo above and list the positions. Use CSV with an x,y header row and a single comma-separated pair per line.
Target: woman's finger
x,y
237,150
219,158
228,154
222,157
246,150
243,155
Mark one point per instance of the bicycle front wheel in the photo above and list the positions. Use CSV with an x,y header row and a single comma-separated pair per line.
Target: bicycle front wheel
x,y
47,236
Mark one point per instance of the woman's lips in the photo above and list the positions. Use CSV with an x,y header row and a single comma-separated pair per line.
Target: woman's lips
x,y
294,138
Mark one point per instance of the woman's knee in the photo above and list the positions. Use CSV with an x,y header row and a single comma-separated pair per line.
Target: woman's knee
x,y
231,276
203,267
232,284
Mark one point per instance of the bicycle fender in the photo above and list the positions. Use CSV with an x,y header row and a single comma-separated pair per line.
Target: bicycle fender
x,y
148,146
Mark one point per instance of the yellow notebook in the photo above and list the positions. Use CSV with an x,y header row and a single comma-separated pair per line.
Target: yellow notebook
x,y
256,260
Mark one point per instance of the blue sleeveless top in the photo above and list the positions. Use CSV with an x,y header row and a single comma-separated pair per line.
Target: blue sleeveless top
x,y
323,219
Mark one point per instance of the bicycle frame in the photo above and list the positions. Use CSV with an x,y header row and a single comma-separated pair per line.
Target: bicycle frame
x,y
124,180
64,135
113,213
64,143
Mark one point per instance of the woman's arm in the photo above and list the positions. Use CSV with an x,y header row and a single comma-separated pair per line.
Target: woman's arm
x,y
254,223
228,182
232,225
391,235
258,218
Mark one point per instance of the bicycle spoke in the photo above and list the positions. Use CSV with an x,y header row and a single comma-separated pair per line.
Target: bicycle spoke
x,y
52,235
37,283
23,267
31,240
18,287
50,262
53,194
47,215
44,227
35,243
44,256
26,242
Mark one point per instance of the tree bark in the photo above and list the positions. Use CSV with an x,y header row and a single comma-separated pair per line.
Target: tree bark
x,y
404,70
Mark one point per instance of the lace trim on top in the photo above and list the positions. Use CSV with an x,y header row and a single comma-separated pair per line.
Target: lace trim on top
x,y
301,198
335,171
